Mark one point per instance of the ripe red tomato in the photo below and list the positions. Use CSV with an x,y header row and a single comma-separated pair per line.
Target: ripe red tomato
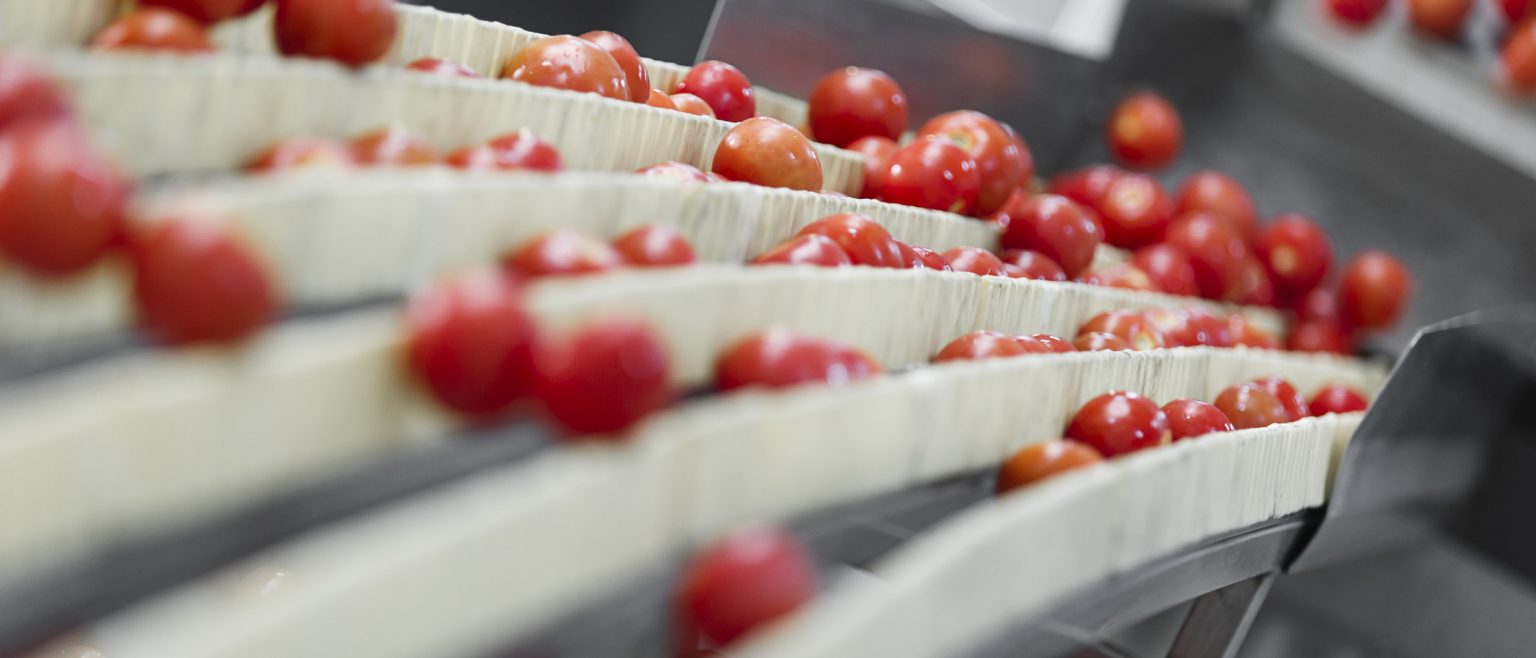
x,y
768,152
877,152
1026,159
1120,422
61,205
677,171
1169,268
206,12
1441,19
1356,13
1250,405
560,253
1222,195
654,245
1297,253
470,342
1247,334
1290,399
778,358
1027,264
1189,327
1217,252
1135,211
303,153
1098,341
1085,186
1320,304
1373,291
1189,418
1120,275
1144,131
979,345
1054,226
519,151
724,88
27,93
437,66
353,33
392,145
932,260
1130,325
1319,336
567,62
1518,57
195,282
852,103
690,104
1336,399
974,260
1038,461
635,76
1055,344
818,250
1032,345
864,240
603,379
742,582
909,256
931,173
658,99
151,28
994,150
1205,328
1514,10
1256,288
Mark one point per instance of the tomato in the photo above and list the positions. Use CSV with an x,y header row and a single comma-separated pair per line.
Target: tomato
x,y
1518,57
1441,19
690,104
392,145
1250,335
1249,406
932,260
1098,341
864,240
1026,159
1290,399
1336,399
931,173
1373,291
1027,264
658,99
1055,344
1514,10
437,66
206,12
817,250
1217,252
61,205
27,93
742,582
768,152
1144,131
1189,418
519,151
194,282
571,63
1205,328
1319,336
1356,13
1032,345
654,245
353,33
1054,226
677,171
1296,252
778,358
974,260
877,152
852,103
1135,211
603,379
1320,304
1130,325
1121,275
635,76
1120,422
150,28
994,150
979,345
303,153
1085,186
1038,461
470,341
1255,288
560,253
724,88
1222,195
1169,268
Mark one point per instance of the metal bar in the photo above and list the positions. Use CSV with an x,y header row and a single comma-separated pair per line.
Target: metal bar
x,y
1220,620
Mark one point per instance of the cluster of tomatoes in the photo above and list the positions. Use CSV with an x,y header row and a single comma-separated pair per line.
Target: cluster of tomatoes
x,y
564,253
1118,330
351,32
1444,20
396,146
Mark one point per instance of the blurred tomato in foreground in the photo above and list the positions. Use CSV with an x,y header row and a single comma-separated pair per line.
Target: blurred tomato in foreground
x,y
740,583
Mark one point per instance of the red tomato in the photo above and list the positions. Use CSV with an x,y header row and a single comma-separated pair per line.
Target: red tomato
x,y
742,582
1169,268
303,153
877,152
770,153
852,103
864,240
1297,253
603,379
1144,131
658,99
690,104
1122,275
1032,345
1055,344
567,62
519,151
777,359
1100,342
1054,226
635,76
994,150
1120,422
654,245
1247,334
1189,418
1135,211
61,205
1319,336
1026,159
1290,399
1085,186
1217,252
1250,405
979,345
1336,399
470,342
560,253
1027,264
1518,57
1038,461
932,260
1201,327
931,173
1222,195
206,12
817,250
437,66
677,171
1130,325
1373,291
974,260
392,145
1514,10
724,88
27,93
353,33
150,28
194,282
1441,19
1256,288
1356,13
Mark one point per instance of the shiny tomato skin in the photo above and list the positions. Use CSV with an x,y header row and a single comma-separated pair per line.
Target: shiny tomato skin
x,y
1025,157
1056,344
931,173
1140,333
303,153
1297,253
1219,194
604,378
690,104
994,150
864,240
353,33
975,260
1248,334
768,152
1032,345
635,75
437,66
392,145
1189,418
677,171
724,88
1336,399
1169,268
195,282
1054,226
1038,461
519,151
571,63
654,245
1319,336
778,358
1086,186
1356,13
1373,291
561,253
1216,250
27,93
818,250
207,12
877,152
1441,19
1206,328
1144,131
61,205
1120,422
1290,399
1028,264
741,582
1135,211
979,345
1098,341
1249,406
658,99
470,341
152,28
1518,57
853,103
1120,275
932,260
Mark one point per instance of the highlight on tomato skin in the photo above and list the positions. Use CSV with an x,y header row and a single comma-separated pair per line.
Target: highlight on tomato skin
x,y
739,583
930,259
1055,344
865,241
392,145
931,173
1125,276
1029,264
1120,422
724,88
560,253
678,171
1046,459
816,250
635,75
993,149
1098,341
690,104
1336,399
1291,400
779,358
1055,226
470,342
352,33
196,282
153,28
570,63
296,153
1297,253
1247,334
654,245
975,260
604,378
1168,267
443,67
61,204
1134,211
1132,326
1189,418
981,344
1221,195
1250,405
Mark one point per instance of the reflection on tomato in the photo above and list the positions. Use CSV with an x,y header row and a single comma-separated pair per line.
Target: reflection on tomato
x,y
1038,461
974,260
931,259
677,171
768,152
603,379
690,104
1290,399
778,358
979,345
1250,405
567,62
195,282
1297,253
1098,341
1120,275
1027,264
994,150
1169,268
1137,331
392,145
654,245
1120,422
303,153
519,151
561,253
1056,344
864,239
470,342
816,250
